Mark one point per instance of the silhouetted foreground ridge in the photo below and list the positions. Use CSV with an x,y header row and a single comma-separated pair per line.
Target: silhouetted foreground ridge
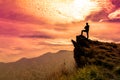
x,y
88,52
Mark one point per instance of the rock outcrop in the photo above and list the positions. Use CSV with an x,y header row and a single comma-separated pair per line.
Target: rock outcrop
x,y
87,52
79,53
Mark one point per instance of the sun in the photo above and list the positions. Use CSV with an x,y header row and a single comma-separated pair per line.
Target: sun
x,y
82,8
59,10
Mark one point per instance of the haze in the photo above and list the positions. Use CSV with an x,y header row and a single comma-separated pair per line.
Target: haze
x,y
31,28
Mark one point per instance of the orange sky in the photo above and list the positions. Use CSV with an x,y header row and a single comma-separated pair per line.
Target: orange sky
x,y
30,28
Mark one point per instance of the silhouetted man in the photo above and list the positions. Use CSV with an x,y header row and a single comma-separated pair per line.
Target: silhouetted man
x,y
86,30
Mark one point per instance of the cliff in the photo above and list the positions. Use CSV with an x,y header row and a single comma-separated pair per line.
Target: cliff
x,y
88,52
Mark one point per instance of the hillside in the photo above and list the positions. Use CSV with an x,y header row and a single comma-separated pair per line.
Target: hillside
x,y
94,61
94,52
36,68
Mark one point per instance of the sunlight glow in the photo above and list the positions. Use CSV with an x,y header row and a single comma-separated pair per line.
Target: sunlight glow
x,y
82,8
60,10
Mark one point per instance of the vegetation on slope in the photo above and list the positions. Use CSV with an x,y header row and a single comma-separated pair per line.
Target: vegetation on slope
x,y
94,61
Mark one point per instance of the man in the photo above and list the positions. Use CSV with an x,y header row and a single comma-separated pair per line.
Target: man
x,y
86,30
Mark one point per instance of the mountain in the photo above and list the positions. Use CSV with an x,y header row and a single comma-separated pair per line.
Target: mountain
x,y
37,68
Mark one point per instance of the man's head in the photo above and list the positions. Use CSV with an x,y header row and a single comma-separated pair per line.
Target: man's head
x,y
86,23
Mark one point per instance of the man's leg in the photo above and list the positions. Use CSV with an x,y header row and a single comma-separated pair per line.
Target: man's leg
x,y
82,32
87,34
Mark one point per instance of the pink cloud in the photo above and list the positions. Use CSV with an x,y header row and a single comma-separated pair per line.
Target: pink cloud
x,y
115,14
10,10
113,17
116,3
109,12
106,31
37,34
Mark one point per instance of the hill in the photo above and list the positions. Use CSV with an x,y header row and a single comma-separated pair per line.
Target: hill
x,y
94,61
36,68
94,52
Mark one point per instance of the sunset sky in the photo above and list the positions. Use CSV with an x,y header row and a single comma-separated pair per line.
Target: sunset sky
x,y
30,28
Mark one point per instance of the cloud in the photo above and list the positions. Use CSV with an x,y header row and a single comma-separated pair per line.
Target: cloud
x,y
115,14
37,34
21,17
110,11
110,20
108,37
105,31
55,11
96,17
116,3
11,11
9,29
113,17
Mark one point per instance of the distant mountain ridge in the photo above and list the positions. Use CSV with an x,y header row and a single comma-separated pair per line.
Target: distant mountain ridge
x,y
44,65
